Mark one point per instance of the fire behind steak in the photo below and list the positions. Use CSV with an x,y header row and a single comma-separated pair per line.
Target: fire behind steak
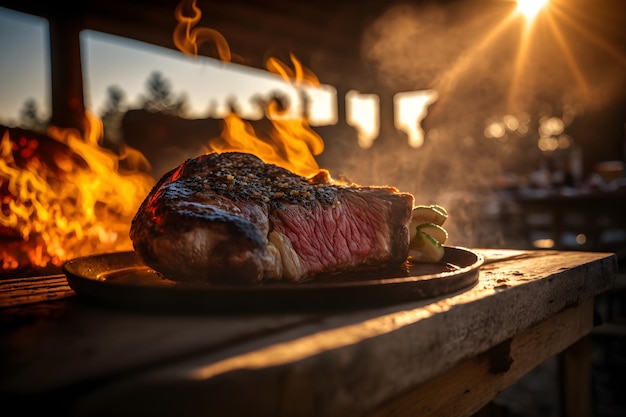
x,y
231,218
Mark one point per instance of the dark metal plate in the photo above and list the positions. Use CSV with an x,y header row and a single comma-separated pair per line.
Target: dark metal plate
x,y
121,279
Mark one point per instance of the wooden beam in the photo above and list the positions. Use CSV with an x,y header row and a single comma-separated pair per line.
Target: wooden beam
x,y
68,105
470,385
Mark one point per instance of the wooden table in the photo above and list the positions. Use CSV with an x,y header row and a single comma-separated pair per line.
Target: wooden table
x,y
448,355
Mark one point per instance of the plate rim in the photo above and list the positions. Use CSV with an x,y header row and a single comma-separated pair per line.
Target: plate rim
x,y
114,292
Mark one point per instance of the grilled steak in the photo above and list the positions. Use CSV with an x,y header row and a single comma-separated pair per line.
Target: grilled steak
x,y
231,218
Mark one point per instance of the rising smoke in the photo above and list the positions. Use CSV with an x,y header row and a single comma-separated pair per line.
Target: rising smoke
x,y
484,66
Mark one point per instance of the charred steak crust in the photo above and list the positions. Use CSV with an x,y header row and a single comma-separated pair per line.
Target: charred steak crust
x,y
229,217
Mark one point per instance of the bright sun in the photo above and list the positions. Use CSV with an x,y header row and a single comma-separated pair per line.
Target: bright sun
x,y
530,7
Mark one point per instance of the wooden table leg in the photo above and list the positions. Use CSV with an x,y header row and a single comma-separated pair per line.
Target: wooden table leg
x,y
575,379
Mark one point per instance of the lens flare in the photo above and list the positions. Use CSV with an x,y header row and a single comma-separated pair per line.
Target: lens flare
x,y
530,8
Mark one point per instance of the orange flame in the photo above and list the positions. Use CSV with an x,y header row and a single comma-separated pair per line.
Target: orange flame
x,y
292,143
188,39
79,203
294,136
299,74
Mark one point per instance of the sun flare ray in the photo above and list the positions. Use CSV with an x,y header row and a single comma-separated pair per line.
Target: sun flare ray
x,y
518,67
583,30
452,76
569,57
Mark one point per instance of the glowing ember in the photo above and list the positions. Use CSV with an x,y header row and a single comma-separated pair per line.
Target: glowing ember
x,y
66,198
291,143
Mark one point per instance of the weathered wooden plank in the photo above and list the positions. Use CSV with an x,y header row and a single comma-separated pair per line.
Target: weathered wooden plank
x,y
48,349
31,290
